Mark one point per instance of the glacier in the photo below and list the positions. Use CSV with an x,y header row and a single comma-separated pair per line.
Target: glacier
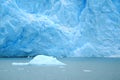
x,y
59,28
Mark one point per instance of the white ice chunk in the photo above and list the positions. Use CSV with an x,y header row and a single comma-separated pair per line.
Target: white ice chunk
x,y
19,64
86,70
41,60
45,60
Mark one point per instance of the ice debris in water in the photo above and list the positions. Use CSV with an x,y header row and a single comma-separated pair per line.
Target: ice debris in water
x,y
86,70
42,60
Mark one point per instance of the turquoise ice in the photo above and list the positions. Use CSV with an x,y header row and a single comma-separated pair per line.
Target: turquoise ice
x,y
60,28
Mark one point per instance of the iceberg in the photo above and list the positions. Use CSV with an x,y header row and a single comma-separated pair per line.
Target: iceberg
x,y
41,60
59,28
45,60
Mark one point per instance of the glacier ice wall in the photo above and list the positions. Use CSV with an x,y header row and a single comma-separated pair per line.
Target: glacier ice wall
x,y
61,28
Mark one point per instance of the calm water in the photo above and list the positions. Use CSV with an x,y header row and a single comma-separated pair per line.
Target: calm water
x,y
76,69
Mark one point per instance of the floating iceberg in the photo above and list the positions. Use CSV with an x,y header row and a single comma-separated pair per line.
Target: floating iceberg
x,y
42,60
45,60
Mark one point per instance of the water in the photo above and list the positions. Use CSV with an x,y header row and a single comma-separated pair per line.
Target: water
x,y
76,69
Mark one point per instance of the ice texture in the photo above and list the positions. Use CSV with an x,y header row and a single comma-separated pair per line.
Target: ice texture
x,y
60,28
41,60
45,60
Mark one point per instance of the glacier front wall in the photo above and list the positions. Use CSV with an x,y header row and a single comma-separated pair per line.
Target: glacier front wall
x,y
61,28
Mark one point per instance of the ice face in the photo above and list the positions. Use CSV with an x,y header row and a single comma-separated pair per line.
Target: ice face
x,y
61,28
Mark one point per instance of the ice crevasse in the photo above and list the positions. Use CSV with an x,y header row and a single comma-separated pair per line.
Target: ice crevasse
x,y
60,28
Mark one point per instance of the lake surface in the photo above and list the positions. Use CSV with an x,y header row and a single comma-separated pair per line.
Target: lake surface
x,y
76,69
